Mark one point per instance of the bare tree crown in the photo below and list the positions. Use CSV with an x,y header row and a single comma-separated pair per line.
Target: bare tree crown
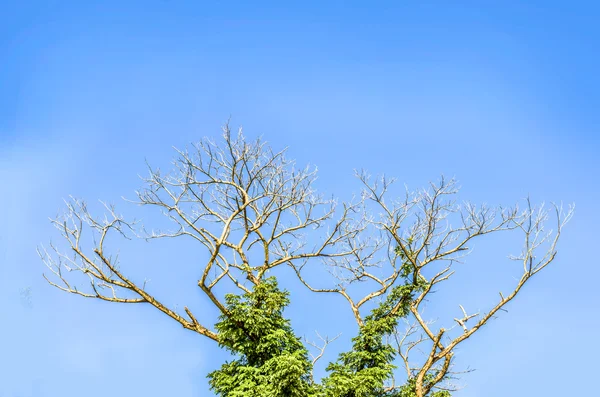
x,y
253,210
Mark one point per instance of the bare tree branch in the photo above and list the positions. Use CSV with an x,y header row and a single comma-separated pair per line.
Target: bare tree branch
x,y
247,206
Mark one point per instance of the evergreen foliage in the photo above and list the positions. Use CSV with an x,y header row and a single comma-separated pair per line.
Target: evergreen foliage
x,y
271,361
363,371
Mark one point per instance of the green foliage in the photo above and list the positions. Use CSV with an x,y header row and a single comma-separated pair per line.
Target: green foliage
x,y
363,371
408,389
271,360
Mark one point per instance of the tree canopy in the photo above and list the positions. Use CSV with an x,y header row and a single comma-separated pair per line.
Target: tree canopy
x,y
257,216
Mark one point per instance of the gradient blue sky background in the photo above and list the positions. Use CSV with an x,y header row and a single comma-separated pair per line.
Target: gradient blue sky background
x,y
502,95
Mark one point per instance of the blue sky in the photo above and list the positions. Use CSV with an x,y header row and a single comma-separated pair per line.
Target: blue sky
x,y
502,95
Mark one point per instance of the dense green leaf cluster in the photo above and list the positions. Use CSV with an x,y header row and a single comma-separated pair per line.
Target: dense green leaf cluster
x,y
363,371
271,361
408,390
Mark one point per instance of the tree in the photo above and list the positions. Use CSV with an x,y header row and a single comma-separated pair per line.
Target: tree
x,y
255,214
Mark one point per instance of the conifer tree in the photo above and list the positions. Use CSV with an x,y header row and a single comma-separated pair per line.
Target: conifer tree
x,y
271,360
